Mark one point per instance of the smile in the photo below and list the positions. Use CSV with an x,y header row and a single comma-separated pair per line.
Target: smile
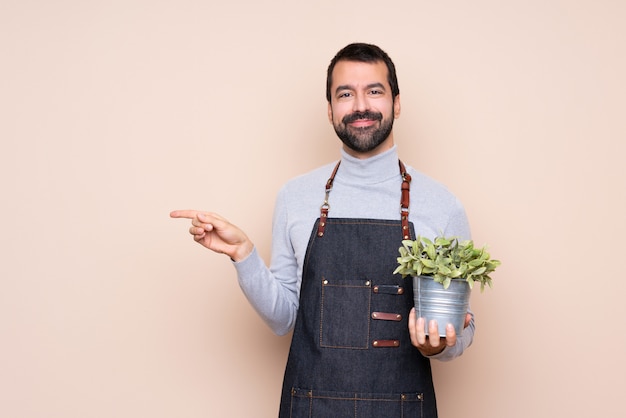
x,y
363,123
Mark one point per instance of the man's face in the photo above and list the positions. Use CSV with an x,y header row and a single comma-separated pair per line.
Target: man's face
x,y
362,108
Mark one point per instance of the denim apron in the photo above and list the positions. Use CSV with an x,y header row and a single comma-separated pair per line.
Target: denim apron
x,y
351,354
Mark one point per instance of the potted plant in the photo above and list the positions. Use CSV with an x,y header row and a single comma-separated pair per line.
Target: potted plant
x,y
444,272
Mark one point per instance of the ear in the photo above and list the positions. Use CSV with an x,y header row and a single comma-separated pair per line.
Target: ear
x,y
396,107
330,113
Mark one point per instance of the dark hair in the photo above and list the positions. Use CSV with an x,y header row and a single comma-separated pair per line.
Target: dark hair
x,y
361,52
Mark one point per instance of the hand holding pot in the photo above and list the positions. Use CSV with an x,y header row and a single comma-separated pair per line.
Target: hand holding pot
x,y
433,344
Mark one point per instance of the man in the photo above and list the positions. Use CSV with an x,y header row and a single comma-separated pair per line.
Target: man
x,y
357,346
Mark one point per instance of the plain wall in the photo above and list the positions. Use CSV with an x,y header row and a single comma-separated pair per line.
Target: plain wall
x,y
113,113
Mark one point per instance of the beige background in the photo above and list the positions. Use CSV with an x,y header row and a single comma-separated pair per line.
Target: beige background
x,y
113,113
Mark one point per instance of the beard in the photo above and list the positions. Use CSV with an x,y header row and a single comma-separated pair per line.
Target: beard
x,y
364,139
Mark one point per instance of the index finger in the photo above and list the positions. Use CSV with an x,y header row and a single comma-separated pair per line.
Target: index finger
x,y
187,213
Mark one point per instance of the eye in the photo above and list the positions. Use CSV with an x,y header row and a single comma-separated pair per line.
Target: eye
x,y
344,95
376,92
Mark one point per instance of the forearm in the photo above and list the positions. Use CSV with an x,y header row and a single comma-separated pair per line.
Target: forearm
x,y
275,300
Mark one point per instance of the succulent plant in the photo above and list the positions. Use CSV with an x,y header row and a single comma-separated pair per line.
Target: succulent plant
x,y
445,259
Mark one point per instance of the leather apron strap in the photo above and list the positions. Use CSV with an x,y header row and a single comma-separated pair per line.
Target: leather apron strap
x,y
404,201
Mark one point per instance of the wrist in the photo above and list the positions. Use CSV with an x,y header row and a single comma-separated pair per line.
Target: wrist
x,y
242,251
432,351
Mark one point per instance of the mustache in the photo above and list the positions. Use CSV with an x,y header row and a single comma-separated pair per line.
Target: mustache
x,y
362,115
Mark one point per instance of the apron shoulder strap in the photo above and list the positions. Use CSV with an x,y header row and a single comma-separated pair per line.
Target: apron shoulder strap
x,y
404,201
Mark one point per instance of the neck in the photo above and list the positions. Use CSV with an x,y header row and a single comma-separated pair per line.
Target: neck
x,y
369,171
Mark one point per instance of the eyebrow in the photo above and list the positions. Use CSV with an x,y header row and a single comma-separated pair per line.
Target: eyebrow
x,y
349,87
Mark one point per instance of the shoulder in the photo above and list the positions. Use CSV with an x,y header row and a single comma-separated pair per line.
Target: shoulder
x,y
435,209
422,183
312,180
303,195
430,195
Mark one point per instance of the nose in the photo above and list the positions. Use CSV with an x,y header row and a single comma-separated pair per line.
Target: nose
x,y
361,103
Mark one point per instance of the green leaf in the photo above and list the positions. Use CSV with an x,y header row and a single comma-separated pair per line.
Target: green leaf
x,y
444,270
428,263
455,274
479,271
442,242
430,251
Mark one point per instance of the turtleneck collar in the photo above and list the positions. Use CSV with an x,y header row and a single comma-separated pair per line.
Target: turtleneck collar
x,y
376,169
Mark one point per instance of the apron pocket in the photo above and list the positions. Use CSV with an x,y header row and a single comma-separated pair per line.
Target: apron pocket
x,y
345,313
323,404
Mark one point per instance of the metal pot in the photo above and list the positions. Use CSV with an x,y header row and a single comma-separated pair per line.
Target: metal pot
x,y
445,306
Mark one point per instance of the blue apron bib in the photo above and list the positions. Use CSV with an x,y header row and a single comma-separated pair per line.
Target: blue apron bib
x,y
351,354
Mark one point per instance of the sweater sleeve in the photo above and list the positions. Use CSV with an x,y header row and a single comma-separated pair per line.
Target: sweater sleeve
x,y
274,292
458,226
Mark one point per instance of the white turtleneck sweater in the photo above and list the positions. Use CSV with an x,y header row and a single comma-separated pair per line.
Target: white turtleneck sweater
x,y
367,188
